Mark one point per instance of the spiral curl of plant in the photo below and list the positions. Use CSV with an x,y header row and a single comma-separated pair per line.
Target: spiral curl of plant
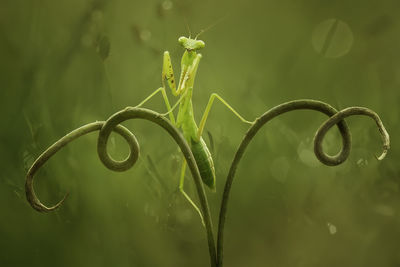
x,y
113,124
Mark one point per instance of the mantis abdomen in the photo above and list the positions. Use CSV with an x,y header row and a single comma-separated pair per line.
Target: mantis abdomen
x,y
204,161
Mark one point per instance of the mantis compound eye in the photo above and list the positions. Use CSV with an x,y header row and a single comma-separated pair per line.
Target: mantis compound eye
x,y
199,44
183,40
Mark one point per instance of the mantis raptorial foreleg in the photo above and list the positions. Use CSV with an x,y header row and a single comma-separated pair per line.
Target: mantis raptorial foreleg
x,y
168,74
207,111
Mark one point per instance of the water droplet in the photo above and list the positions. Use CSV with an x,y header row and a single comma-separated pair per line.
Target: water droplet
x,y
332,228
332,38
362,162
167,5
145,35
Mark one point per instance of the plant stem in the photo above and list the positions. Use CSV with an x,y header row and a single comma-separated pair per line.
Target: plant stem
x,y
335,118
141,113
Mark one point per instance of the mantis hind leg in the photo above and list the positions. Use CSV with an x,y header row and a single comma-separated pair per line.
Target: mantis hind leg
x,y
181,183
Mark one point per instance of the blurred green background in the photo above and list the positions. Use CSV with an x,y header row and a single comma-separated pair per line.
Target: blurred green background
x,y
67,63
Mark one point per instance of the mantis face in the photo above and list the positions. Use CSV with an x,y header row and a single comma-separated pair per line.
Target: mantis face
x,y
191,44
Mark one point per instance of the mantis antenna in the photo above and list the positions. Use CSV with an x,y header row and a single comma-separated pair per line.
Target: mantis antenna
x,y
188,27
210,26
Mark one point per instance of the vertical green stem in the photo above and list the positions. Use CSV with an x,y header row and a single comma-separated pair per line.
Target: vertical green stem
x,y
336,118
139,113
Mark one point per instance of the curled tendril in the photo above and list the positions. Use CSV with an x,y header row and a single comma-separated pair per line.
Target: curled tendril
x,y
113,124
53,149
336,118
319,136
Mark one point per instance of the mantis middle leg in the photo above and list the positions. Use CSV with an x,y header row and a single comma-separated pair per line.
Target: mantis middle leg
x,y
207,111
167,104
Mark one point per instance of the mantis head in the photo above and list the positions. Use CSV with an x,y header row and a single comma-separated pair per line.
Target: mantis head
x,y
191,44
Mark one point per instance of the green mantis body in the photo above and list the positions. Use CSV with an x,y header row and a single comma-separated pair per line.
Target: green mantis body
x,y
185,118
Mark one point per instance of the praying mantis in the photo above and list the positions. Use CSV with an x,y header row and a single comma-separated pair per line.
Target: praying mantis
x,y
185,118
